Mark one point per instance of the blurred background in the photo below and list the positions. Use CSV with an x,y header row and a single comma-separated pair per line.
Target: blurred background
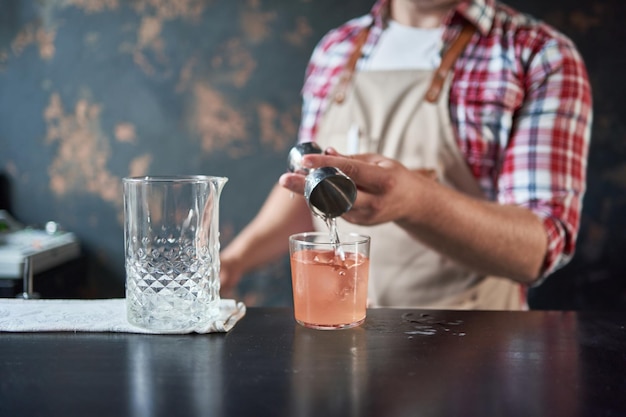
x,y
92,91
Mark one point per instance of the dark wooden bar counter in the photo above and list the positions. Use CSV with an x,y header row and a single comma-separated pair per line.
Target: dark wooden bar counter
x,y
399,363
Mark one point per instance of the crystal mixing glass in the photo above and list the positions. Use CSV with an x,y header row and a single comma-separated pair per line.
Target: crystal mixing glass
x,y
171,235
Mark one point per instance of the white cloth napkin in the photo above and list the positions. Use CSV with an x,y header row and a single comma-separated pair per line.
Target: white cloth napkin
x,y
93,316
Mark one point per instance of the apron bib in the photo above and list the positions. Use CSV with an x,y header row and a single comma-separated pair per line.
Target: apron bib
x,y
404,115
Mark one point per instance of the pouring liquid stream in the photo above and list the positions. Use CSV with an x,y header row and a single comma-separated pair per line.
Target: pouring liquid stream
x,y
331,223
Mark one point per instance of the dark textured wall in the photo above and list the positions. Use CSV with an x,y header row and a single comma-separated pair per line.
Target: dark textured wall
x,y
95,90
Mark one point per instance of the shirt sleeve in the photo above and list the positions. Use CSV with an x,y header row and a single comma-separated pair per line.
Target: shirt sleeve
x,y
318,78
322,73
545,162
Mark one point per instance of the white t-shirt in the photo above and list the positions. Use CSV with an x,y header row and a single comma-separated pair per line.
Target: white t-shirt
x,y
405,47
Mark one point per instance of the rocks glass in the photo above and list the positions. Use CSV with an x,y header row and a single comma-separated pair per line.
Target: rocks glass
x,y
329,279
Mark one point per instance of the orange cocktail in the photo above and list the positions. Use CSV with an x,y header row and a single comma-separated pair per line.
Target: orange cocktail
x,y
329,280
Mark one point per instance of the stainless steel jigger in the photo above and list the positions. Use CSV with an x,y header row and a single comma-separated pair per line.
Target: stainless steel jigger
x,y
328,191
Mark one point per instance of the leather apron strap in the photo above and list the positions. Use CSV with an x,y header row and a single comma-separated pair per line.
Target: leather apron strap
x,y
439,77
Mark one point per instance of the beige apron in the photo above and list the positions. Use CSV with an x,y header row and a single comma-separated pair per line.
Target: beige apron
x,y
404,115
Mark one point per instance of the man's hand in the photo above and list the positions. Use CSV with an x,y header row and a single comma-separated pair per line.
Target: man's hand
x,y
387,190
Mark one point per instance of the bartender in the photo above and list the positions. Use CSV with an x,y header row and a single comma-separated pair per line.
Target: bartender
x,y
465,126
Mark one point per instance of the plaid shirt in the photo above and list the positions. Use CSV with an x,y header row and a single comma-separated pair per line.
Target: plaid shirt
x,y
520,105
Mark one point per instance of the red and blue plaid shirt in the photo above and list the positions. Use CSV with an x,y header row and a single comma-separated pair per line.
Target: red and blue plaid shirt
x,y
520,105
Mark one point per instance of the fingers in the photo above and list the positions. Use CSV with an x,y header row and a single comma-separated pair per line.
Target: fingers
x,y
293,182
368,171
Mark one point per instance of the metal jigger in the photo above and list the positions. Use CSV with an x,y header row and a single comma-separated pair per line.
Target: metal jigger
x,y
27,276
328,191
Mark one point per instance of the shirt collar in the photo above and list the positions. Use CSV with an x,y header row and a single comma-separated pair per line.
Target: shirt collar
x,y
478,12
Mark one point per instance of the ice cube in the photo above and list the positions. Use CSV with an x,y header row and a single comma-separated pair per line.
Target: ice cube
x,y
326,257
